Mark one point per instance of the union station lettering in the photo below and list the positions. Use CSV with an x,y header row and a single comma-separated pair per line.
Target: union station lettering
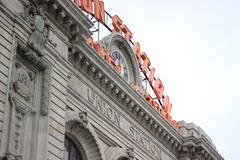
x,y
64,96
160,102
144,142
104,109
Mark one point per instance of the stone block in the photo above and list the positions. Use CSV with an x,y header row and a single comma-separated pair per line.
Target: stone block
x,y
5,42
55,142
4,60
57,152
2,96
60,94
61,47
57,125
56,108
3,87
73,104
51,156
6,22
21,34
4,33
2,105
4,51
1,116
60,86
61,76
57,117
4,69
58,101
56,133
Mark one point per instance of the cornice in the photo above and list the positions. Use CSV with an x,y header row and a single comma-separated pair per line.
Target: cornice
x,y
193,147
93,66
69,18
86,60
195,137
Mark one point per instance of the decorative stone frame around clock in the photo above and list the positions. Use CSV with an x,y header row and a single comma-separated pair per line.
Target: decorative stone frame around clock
x,y
115,41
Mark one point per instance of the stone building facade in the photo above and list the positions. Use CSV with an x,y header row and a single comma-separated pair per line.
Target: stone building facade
x,y
59,100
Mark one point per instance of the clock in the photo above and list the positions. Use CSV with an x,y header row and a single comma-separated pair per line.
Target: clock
x,y
121,61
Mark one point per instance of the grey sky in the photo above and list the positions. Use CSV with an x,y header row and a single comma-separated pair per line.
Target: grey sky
x,y
195,47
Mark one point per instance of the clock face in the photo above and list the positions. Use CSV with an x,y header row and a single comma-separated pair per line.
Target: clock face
x,y
119,59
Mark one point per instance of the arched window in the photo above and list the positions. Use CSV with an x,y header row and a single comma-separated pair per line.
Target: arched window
x,y
71,151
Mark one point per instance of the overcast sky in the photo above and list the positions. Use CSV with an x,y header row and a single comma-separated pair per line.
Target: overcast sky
x,y
195,47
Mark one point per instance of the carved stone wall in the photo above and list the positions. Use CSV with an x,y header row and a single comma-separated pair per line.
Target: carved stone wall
x,y
48,90
117,153
28,101
6,35
23,107
79,127
29,88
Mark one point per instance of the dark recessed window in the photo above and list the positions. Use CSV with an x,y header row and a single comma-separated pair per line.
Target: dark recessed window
x,y
71,152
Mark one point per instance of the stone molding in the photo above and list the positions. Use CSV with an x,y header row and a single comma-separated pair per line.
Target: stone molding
x,y
87,61
69,19
105,77
196,143
21,106
198,149
116,39
190,129
78,122
28,54
33,50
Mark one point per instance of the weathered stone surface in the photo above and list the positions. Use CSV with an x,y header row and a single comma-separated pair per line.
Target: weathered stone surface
x,y
53,85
